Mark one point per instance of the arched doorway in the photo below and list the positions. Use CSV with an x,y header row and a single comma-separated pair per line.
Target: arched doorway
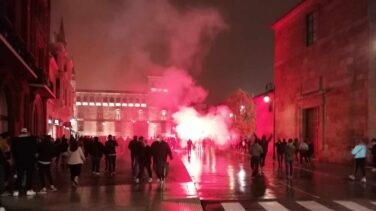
x,y
3,112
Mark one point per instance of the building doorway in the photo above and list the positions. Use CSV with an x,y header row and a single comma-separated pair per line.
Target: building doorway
x,y
3,112
311,127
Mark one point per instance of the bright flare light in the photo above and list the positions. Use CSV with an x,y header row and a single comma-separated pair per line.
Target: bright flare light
x,y
197,127
266,99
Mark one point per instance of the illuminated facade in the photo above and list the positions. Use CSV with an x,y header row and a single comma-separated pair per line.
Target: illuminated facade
x,y
121,113
325,75
60,109
25,85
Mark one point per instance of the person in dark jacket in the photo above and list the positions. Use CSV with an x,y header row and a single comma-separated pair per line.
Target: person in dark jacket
x,y
143,159
160,150
280,148
24,150
96,152
132,146
110,146
63,150
264,144
45,151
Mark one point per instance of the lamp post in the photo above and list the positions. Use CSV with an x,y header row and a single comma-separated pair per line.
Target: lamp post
x,y
267,100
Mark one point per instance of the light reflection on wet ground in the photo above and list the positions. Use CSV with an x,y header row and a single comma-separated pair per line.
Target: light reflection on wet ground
x,y
226,175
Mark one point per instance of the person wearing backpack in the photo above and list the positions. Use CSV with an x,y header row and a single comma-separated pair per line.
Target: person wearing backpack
x,y
359,152
110,147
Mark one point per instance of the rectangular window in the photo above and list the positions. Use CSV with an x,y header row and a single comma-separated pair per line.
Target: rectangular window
x,y
57,88
310,28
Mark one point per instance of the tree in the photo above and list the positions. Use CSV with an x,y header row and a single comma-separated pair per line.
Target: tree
x,y
243,112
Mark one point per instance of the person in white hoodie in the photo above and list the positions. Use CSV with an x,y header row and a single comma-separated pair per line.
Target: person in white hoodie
x,y
75,160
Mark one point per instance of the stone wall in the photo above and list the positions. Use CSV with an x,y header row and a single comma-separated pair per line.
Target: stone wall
x,y
330,75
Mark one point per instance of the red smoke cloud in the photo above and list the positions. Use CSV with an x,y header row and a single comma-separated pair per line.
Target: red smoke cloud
x,y
196,126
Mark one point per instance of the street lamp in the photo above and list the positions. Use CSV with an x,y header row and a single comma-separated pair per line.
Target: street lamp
x,y
267,100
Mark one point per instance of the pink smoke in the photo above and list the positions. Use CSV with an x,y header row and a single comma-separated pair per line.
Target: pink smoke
x,y
179,90
196,126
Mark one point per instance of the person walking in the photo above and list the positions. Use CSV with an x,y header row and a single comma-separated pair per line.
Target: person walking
x,y
255,151
303,152
110,146
132,146
373,152
143,159
160,151
279,147
97,150
289,158
75,159
264,144
359,152
24,150
45,151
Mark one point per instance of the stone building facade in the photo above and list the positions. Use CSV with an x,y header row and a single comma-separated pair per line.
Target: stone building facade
x,y
60,109
325,75
121,113
24,64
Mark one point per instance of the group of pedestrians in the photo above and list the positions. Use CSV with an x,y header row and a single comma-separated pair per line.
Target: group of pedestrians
x,y
303,151
143,154
21,156
258,150
18,158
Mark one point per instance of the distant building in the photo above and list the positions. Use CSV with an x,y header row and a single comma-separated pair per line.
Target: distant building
x,y
121,113
24,63
325,75
60,110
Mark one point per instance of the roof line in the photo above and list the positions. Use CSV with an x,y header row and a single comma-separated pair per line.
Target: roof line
x,y
291,12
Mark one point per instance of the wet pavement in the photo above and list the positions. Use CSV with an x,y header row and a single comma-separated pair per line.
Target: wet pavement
x,y
116,192
223,181
211,180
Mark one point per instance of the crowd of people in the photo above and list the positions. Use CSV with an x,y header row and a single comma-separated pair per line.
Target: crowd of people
x,y
21,156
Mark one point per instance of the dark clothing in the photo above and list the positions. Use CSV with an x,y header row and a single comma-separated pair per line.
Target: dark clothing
x,y
111,163
255,160
2,178
373,152
144,160
160,151
95,165
97,149
75,171
280,148
360,163
289,167
161,169
45,173
45,151
132,146
24,149
24,169
110,147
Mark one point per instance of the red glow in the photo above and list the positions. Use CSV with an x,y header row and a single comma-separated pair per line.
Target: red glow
x,y
197,127
266,99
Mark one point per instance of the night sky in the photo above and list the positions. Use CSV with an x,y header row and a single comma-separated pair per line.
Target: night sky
x,y
104,40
